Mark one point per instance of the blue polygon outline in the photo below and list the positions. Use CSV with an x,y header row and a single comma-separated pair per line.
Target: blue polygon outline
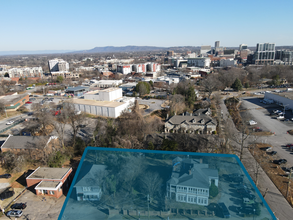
x,y
162,152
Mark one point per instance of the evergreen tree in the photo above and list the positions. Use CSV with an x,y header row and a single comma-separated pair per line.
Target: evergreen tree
x,y
237,85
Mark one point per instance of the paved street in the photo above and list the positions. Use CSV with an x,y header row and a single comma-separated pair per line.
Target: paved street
x,y
274,198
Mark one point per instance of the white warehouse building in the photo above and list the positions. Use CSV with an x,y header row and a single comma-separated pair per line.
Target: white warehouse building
x,y
107,103
284,99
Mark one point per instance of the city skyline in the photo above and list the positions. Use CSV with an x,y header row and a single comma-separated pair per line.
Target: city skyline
x,y
73,25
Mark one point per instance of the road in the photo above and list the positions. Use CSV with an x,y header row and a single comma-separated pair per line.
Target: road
x,y
274,198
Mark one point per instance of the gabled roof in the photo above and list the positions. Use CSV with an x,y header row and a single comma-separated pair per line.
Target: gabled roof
x,y
190,120
92,173
190,172
25,142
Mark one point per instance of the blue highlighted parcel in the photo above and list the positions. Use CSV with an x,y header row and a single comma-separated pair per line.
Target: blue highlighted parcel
x,y
142,184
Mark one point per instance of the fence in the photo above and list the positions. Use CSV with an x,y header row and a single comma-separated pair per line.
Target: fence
x,y
11,126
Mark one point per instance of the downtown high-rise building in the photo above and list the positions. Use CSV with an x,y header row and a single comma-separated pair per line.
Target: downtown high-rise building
x,y
264,54
217,44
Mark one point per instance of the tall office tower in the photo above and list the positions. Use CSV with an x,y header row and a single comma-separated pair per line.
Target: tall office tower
x,y
242,47
217,44
265,53
170,53
58,65
205,49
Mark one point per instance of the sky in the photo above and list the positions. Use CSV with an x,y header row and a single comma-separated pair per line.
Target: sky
x,y
81,25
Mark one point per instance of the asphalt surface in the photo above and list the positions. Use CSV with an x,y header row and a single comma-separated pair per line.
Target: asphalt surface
x,y
259,112
154,104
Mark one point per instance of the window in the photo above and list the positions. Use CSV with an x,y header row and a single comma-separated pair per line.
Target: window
x,y
86,188
52,192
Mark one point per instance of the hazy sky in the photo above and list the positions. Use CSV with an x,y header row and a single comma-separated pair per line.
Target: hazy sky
x,y
85,24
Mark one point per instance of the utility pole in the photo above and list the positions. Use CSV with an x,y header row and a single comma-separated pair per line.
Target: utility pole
x,y
148,206
5,112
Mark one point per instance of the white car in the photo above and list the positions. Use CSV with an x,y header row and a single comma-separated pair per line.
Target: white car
x,y
251,122
280,117
10,122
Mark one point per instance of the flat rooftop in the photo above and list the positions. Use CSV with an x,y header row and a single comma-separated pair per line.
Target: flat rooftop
x,y
288,95
48,184
11,99
97,103
48,173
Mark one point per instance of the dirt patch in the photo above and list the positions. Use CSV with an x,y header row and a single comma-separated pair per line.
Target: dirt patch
x,y
274,171
141,106
262,133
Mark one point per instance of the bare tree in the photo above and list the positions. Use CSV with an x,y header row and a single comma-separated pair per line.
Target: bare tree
x,y
151,183
210,84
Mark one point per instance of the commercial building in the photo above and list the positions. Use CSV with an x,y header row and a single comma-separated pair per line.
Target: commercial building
x,y
285,56
106,83
190,181
107,103
170,53
203,62
124,69
13,102
50,181
77,91
217,44
228,62
204,50
264,54
283,99
58,65
109,94
243,47
139,68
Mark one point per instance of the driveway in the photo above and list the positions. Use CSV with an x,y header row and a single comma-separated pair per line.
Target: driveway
x,y
154,104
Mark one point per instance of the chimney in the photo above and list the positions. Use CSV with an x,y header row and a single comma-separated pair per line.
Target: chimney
x,y
200,160
189,172
167,116
183,113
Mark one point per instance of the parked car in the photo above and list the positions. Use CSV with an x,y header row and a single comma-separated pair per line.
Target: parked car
x,y
289,145
280,117
251,122
10,123
5,176
246,210
272,153
225,211
18,206
14,213
281,161
266,148
7,193
286,170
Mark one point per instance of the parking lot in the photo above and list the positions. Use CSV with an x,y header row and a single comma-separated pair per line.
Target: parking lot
x,y
39,207
261,113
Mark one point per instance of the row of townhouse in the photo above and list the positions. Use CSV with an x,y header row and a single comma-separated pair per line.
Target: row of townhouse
x,y
139,68
22,72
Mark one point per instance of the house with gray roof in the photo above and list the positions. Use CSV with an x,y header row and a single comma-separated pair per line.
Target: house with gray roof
x,y
190,181
88,184
198,122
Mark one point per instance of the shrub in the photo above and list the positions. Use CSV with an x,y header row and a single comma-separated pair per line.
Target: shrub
x,y
213,190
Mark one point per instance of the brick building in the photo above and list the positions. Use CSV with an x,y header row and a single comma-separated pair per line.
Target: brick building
x,y
50,181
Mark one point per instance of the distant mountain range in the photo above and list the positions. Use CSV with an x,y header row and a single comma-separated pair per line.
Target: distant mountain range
x,y
111,49
23,52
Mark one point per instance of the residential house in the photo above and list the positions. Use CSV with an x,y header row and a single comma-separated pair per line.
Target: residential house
x,y
88,184
190,181
36,146
198,122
